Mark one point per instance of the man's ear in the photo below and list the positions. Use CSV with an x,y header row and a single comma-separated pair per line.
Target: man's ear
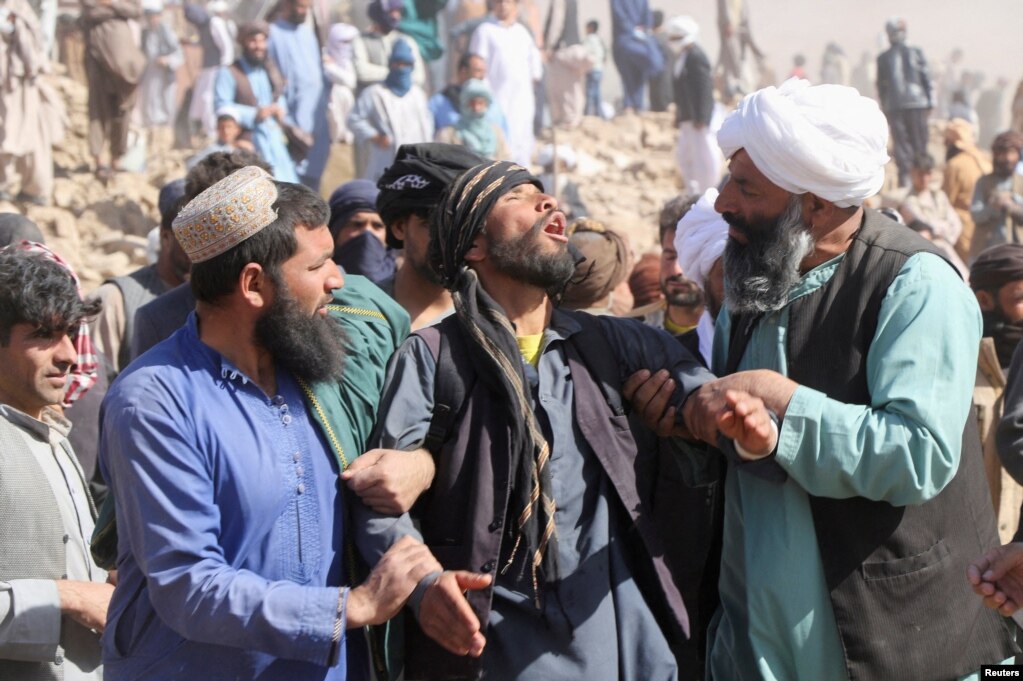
x,y
255,287
398,228
985,300
478,250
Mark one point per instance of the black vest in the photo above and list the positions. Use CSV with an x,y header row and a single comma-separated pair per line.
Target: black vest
x,y
897,575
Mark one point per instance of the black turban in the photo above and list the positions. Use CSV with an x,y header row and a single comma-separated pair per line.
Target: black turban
x,y
416,180
463,212
997,266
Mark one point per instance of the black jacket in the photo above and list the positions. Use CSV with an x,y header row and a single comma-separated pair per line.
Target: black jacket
x,y
903,79
694,88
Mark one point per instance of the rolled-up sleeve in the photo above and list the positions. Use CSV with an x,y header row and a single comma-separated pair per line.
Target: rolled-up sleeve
x,y
903,448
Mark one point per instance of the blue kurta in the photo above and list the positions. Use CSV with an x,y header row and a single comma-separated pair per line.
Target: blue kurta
x,y
267,136
230,521
776,620
296,51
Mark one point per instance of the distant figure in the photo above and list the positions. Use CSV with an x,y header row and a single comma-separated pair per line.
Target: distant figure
x,y
557,163
835,65
31,111
513,66
864,76
735,68
998,198
636,54
372,49
798,67
598,55
255,87
293,45
388,115
950,81
445,104
931,206
339,67
699,158
217,35
904,91
964,166
568,61
229,131
159,88
661,91
114,65
991,108
1017,108
474,129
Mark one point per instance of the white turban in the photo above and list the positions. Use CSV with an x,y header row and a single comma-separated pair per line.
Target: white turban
x,y
700,238
683,28
827,140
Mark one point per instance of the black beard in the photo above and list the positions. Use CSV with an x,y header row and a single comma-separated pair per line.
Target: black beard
x,y
688,298
760,273
309,348
521,258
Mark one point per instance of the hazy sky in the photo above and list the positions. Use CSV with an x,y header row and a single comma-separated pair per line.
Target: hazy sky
x,y
990,32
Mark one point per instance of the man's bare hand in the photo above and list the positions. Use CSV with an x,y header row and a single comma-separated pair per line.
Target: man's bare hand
x,y
390,584
85,602
709,402
381,140
997,577
649,393
748,423
447,618
390,480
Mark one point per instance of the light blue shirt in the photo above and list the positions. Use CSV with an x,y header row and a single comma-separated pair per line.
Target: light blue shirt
x,y
230,520
267,135
776,616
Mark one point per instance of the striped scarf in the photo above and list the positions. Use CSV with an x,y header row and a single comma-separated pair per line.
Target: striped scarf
x,y
494,352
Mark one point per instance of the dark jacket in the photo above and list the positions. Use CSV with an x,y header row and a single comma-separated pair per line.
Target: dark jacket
x,y
694,88
479,486
896,574
903,79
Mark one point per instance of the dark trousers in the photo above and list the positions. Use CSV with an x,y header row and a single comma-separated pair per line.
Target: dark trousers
x,y
909,137
593,102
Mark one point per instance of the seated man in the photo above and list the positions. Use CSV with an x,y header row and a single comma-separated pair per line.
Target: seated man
x,y
53,597
222,446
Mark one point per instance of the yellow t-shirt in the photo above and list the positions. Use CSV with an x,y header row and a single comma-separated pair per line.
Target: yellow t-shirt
x,y
675,329
529,346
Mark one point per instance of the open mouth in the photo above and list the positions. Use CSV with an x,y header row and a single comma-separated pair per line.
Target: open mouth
x,y
556,227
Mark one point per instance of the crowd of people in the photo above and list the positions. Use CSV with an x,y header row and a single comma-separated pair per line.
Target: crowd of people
x,y
444,424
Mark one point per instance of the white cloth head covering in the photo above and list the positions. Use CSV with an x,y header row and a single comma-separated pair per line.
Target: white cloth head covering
x,y
684,27
152,6
700,238
340,42
229,110
826,140
218,7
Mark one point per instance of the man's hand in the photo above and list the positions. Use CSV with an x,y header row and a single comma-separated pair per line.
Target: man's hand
x,y
389,480
708,402
749,424
650,394
390,584
265,112
381,140
85,602
446,617
997,576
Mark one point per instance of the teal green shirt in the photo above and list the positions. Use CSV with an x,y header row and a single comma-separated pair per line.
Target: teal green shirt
x,y
776,617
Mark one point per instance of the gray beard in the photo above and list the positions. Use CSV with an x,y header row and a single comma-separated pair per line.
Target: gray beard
x,y
760,274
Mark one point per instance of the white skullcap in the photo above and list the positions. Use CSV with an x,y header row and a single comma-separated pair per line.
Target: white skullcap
x,y
826,140
566,154
217,6
684,27
152,6
700,238
229,110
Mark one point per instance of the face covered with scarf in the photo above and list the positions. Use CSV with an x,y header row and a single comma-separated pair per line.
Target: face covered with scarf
x,y
786,144
399,78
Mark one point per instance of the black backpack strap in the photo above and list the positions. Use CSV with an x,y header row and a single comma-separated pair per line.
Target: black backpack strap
x,y
599,358
450,386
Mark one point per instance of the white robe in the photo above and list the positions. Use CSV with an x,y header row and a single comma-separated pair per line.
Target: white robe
x,y
405,120
513,64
